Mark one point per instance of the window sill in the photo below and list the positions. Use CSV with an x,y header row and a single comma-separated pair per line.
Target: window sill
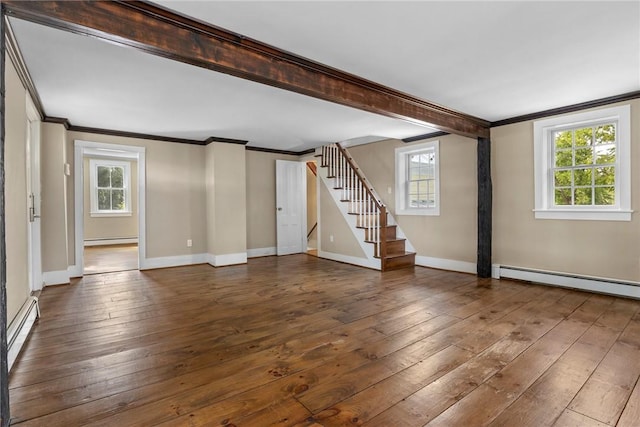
x,y
421,212
583,214
109,214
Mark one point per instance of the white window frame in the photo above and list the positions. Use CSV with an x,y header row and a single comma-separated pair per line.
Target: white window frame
x,y
93,189
401,157
544,163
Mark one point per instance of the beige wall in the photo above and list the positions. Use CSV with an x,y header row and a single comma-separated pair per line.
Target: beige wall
x,y
229,190
96,228
332,223
54,208
451,235
15,216
597,248
261,198
175,194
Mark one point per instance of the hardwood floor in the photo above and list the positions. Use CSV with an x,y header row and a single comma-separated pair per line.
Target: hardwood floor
x,y
110,258
303,341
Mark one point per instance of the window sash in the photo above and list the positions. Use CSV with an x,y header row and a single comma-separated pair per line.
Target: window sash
x,y
600,176
417,181
592,162
107,194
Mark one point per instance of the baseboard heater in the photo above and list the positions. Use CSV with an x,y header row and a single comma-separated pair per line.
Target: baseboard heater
x,y
19,329
587,283
111,241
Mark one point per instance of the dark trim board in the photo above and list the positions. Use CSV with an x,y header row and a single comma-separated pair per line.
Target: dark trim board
x,y
568,109
226,140
425,136
125,134
133,135
160,31
57,120
291,153
13,50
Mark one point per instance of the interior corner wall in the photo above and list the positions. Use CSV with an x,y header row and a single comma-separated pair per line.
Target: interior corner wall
x,y
261,200
53,189
175,194
607,249
226,216
453,234
16,214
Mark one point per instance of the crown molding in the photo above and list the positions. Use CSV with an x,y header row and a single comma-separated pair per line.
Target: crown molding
x,y
15,55
568,109
287,152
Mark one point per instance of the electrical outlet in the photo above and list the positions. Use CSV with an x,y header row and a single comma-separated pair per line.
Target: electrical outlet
x,y
389,190
189,243
331,238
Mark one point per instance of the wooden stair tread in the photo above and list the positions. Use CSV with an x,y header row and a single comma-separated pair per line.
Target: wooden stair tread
x,y
392,256
395,239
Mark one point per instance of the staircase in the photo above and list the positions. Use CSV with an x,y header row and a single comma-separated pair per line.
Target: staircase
x,y
371,214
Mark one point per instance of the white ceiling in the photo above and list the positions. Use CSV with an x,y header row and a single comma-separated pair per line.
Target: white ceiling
x,y
493,60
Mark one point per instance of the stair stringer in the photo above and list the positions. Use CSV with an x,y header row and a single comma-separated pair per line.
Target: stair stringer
x,y
370,261
392,221
399,233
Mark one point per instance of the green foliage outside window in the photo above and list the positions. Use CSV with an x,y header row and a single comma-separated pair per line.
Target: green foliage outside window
x,y
584,173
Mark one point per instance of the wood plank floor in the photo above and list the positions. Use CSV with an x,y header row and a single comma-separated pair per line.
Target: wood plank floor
x,y
110,258
302,341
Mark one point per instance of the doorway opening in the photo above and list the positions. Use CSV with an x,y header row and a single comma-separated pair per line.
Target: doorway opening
x,y
110,258
312,208
109,207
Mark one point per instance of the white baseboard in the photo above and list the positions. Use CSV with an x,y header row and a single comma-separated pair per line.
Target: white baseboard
x,y
74,271
585,283
362,262
258,252
19,329
61,277
173,261
227,259
446,264
105,242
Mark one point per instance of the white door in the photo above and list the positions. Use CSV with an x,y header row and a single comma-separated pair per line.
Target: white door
x,y
33,196
291,215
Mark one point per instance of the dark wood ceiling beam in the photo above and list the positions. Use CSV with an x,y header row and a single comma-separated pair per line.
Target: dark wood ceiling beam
x,y
159,31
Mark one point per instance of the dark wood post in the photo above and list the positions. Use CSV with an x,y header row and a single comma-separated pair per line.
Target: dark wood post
x,y
4,368
485,198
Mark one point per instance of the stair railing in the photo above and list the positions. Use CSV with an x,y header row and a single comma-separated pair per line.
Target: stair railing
x,y
372,213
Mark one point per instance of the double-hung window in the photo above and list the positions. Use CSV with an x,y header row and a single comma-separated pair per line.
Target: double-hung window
x,y
110,183
582,166
417,179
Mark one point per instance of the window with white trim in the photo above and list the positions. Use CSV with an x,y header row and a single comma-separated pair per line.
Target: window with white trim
x,y
417,179
110,184
582,166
